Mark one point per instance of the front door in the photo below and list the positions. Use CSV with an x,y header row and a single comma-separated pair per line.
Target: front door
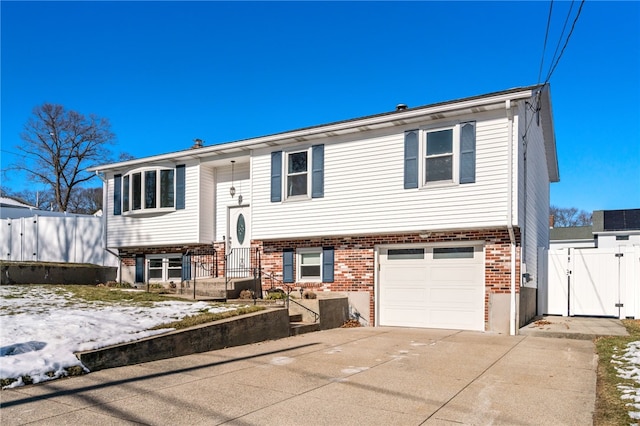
x,y
239,242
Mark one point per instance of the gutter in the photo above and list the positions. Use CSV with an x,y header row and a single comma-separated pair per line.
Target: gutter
x,y
388,119
512,237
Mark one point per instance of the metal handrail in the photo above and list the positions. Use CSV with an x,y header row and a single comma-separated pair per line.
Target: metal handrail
x,y
272,278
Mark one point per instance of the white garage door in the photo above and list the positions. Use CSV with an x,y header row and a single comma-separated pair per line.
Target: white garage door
x,y
434,287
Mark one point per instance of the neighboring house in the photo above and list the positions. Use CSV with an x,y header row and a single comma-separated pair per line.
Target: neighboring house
x,y
31,234
595,270
425,217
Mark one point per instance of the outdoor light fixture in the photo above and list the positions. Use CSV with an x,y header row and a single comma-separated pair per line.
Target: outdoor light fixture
x,y
232,190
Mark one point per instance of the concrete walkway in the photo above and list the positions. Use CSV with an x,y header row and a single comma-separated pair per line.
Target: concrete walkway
x,y
585,328
367,376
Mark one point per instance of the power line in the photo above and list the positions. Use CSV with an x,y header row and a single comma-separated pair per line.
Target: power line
x,y
564,27
546,35
565,43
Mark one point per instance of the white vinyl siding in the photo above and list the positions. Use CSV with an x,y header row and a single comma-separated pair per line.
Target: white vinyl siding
x,y
533,204
364,189
174,227
224,200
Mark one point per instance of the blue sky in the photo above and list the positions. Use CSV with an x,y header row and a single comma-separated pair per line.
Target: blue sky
x,y
165,73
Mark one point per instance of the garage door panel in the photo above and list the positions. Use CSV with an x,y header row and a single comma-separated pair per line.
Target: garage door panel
x,y
455,272
432,292
399,297
455,319
460,296
406,317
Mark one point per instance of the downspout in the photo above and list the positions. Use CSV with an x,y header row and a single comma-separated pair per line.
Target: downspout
x,y
105,193
512,237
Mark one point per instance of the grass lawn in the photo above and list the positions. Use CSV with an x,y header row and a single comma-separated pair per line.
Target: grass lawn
x,y
115,295
610,408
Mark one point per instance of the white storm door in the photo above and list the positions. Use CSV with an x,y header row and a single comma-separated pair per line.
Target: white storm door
x,y
239,242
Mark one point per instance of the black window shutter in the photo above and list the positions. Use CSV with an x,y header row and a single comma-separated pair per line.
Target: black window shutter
x,y
139,269
317,177
186,267
468,152
180,187
117,195
327,265
276,176
287,265
411,149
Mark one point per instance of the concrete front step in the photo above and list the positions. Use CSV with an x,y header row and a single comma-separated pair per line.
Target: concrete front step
x,y
295,317
296,328
216,287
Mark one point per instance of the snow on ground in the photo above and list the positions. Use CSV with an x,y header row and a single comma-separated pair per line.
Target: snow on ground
x,y
628,367
40,329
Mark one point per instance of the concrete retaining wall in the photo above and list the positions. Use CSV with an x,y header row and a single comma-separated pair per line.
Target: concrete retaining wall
x,y
332,307
528,303
54,273
252,328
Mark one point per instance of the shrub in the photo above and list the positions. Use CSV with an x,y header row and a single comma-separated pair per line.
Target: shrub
x,y
246,294
308,294
276,294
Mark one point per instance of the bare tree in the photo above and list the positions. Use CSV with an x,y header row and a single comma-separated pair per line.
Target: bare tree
x,y
569,216
43,200
86,200
59,145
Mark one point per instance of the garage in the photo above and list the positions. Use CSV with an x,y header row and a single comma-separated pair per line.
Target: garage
x,y
431,287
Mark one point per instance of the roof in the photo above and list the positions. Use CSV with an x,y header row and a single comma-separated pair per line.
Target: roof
x,y
478,103
571,233
12,202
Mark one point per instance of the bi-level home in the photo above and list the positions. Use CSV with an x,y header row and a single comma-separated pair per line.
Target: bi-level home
x,y
428,216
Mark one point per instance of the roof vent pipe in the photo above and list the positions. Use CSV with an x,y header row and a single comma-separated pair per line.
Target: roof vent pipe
x,y
401,107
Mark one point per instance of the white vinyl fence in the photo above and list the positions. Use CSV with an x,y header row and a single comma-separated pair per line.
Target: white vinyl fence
x,y
75,239
594,282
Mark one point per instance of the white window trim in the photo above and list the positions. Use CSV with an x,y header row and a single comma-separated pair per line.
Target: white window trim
x,y
422,152
144,210
285,173
299,253
165,267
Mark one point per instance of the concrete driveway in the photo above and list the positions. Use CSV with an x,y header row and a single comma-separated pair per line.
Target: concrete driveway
x,y
367,376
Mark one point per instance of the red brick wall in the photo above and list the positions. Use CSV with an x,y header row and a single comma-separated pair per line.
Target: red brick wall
x,y
354,259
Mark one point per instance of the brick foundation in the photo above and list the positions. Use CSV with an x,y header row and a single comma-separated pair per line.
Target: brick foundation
x,y
354,259
354,263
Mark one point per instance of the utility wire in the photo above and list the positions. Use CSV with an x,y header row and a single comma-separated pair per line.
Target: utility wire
x,y
564,27
565,43
544,46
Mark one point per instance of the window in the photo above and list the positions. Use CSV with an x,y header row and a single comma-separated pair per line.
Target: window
x,y
453,253
443,155
405,254
313,264
622,238
302,172
125,194
439,156
136,191
310,265
164,267
297,173
150,189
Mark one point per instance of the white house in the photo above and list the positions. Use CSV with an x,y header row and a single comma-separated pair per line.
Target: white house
x,y
430,216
